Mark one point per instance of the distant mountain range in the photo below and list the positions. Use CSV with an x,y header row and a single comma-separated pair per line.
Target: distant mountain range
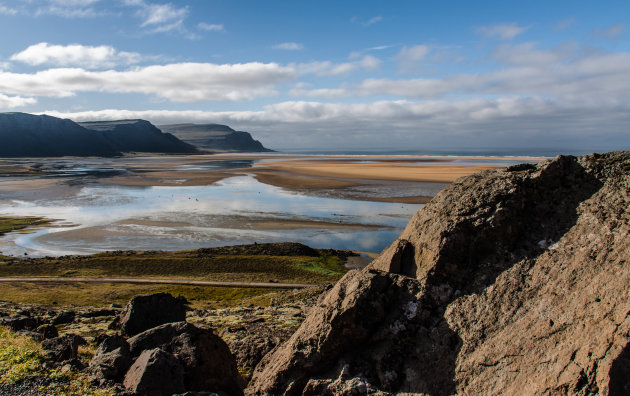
x,y
215,137
28,135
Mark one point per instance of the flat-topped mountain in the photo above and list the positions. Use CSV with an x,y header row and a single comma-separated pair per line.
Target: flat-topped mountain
x,y
138,136
28,135
215,137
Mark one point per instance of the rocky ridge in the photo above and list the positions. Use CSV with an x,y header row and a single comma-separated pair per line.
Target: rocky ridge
x,y
215,137
509,281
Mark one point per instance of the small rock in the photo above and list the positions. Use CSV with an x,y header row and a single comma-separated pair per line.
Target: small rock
x,y
19,322
64,318
48,331
62,348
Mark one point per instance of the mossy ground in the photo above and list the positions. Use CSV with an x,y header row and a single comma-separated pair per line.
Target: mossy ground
x,y
22,362
22,224
191,264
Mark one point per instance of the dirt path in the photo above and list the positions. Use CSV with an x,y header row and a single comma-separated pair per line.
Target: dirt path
x,y
163,281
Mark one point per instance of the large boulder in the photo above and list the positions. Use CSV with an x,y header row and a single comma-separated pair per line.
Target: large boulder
x,y
148,311
207,361
111,360
155,373
510,281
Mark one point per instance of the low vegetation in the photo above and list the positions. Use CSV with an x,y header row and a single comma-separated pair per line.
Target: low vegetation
x,y
192,264
21,224
23,366
282,263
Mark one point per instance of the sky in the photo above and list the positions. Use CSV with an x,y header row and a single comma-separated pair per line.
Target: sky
x,y
363,75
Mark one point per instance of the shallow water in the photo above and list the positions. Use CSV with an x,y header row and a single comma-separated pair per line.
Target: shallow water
x,y
179,217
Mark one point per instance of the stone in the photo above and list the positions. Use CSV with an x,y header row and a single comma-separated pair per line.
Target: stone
x,y
249,350
148,311
155,373
19,322
111,360
48,331
468,301
63,317
207,361
60,349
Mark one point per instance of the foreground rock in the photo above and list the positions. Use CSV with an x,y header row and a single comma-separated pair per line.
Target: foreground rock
x,y
509,282
148,311
155,373
206,359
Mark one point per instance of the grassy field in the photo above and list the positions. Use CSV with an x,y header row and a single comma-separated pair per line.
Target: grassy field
x,y
21,224
22,362
103,294
192,264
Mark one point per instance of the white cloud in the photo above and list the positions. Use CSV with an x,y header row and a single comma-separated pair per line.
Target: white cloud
x,y
565,23
289,46
367,22
69,8
178,82
409,57
327,68
373,20
505,31
211,27
75,55
563,73
160,17
611,32
11,102
478,122
4,10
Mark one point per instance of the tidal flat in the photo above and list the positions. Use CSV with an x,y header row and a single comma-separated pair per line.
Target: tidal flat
x,y
187,202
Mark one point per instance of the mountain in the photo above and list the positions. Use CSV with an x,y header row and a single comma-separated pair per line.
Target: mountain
x,y
215,137
27,135
138,136
512,281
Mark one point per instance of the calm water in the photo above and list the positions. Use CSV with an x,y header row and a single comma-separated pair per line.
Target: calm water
x,y
171,218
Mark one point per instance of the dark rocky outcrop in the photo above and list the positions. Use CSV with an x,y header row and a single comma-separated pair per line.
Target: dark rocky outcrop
x,y
48,331
19,322
155,373
64,317
263,249
207,361
27,135
511,281
138,136
63,348
151,310
111,360
215,137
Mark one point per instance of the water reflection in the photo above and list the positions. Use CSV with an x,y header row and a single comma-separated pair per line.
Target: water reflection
x,y
234,211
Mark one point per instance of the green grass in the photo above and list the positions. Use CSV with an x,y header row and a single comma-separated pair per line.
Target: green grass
x,y
183,264
326,264
103,294
21,224
22,359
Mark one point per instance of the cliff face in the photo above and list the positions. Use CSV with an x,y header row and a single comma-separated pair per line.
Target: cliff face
x,y
27,135
215,137
139,136
512,281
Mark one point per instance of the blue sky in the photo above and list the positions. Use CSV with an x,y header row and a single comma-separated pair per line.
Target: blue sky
x,y
342,74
